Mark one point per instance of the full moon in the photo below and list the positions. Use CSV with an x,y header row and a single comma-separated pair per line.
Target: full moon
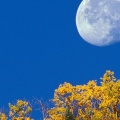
x,y
98,21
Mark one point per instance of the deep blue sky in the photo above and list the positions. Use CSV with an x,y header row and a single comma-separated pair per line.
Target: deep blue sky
x,y
40,48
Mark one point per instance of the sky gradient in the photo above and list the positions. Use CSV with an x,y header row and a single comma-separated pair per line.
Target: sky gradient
x,y
40,48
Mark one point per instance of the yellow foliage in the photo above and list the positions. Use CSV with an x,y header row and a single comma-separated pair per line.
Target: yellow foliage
x,y
3,116
88,102
20,110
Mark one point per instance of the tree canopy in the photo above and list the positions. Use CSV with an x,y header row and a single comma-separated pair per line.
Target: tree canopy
x,y
88,102
80,102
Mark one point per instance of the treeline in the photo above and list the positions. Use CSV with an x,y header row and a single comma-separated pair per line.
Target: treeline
x,y
80,102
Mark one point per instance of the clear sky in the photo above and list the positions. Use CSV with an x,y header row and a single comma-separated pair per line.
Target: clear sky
x,y
40,48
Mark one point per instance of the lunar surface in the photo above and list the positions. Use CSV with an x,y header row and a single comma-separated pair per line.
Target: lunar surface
x,y
98,21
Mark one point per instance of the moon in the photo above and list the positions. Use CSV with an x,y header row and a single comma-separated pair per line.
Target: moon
x,y
98,21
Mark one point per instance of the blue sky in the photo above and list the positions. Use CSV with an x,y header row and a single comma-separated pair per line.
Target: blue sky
x,y
40,48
